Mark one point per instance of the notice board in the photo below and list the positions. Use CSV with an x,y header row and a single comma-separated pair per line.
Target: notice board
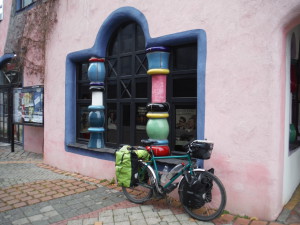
x,y
28,105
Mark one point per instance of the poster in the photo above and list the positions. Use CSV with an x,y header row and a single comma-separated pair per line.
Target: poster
x,y
185,125
28,105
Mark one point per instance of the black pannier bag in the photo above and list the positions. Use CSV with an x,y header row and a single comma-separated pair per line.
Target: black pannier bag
x,y
197,191
201,149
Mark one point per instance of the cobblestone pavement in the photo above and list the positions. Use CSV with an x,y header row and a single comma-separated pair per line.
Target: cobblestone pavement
x,y
33,193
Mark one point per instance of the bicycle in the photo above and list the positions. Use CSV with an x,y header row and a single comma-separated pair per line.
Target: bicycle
x,y
201,193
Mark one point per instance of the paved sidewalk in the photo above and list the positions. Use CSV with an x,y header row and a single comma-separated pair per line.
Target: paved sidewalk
x,y
32,193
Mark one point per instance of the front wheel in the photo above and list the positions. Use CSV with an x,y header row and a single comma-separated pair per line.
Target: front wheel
x,y
206,199
143,189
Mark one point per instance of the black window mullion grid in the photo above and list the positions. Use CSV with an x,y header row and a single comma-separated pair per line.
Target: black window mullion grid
x,y
129,101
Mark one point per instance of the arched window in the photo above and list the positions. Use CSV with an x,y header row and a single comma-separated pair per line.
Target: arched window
x,y
127,90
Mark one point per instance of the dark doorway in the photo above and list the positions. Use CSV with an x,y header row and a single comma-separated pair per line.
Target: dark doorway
x,y
10,78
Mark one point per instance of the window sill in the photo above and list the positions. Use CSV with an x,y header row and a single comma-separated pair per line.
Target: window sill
x,y
83,146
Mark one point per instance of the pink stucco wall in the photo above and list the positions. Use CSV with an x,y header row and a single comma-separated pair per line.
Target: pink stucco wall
x,y
4,24
245,88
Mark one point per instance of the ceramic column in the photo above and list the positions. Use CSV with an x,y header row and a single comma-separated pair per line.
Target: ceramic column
x,y
96,74
158,111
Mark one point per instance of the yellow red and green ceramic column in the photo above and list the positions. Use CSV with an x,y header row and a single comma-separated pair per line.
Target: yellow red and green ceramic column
x,y
158,110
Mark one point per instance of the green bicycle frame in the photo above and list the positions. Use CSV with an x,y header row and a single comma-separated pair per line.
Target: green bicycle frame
x,y
186,167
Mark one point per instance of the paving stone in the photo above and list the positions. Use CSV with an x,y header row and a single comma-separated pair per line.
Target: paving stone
x,y
138,222
105,219
153,220
20,221
119,212
51,213
122,223
136,216
145,208
46,209
89,221
165,212
163,223
150,214
106,213
120,218
36,218
169,218
43,222
175,223
182,217
55,219
134,209
75,222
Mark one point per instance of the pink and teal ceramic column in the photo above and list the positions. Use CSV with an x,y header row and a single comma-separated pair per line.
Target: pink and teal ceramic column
x,y
96,74
158,110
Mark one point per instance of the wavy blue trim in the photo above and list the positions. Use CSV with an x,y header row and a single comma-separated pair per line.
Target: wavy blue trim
x,y
113,21
6,58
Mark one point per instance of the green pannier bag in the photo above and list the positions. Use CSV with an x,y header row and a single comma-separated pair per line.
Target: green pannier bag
x,y
127,164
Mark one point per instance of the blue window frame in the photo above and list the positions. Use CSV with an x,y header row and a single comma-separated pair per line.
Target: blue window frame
x,y
118,17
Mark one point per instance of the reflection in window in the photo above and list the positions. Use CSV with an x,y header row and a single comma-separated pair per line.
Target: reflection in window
x,y
111,121
141,122
84,122
83,100
26,3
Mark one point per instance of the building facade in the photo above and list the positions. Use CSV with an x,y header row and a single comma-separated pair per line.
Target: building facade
x,y
226,72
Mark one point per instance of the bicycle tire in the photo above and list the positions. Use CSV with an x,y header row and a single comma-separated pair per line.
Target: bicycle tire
x,y
143,190
214,200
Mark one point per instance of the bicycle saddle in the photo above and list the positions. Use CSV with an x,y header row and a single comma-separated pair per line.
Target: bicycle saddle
x,y
148,142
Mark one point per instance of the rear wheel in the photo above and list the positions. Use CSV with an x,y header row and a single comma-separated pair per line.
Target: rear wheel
x,y
143,190
205,202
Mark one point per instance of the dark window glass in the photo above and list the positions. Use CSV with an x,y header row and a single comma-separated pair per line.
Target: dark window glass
x,y
83,91
126,124
140,40
127,38
126,65
185,86
141,88
84,122
111,124
114,46
141,121
111,89
185,57
83,72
